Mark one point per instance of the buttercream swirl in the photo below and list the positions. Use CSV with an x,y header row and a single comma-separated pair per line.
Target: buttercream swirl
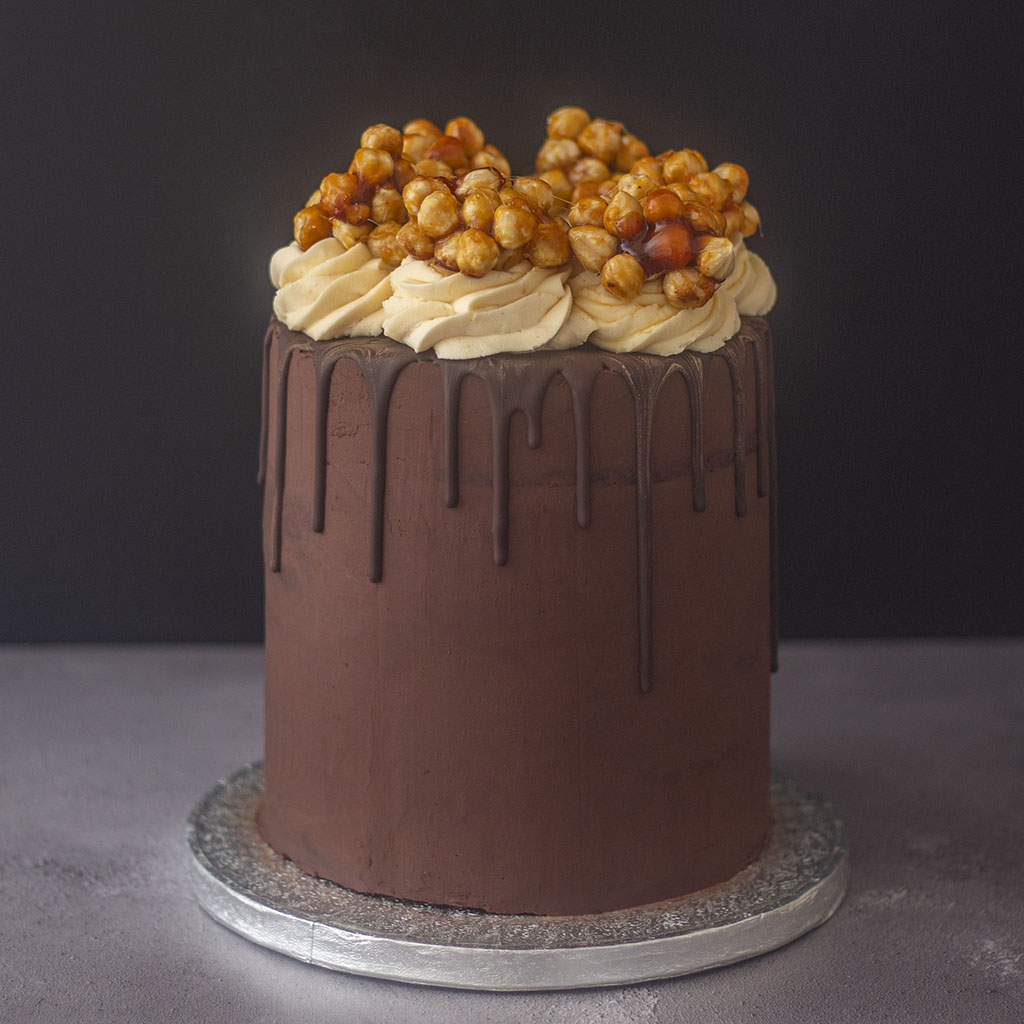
x,y
751,284
460,317
329,291
647,323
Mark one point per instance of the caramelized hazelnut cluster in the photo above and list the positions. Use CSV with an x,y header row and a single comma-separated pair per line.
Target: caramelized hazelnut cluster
x,y
636,217
365,204
482,220
449,197
582,156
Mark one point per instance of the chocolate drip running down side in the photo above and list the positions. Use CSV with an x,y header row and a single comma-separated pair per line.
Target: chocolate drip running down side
x,y
516,383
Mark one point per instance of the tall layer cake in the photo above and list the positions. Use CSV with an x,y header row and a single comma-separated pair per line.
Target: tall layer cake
x,y
519,523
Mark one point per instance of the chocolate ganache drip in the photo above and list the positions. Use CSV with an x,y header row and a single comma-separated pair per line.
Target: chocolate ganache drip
x,y
519,384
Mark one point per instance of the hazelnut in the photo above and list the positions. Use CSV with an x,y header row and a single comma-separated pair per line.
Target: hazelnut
x,y
417,190
588,168
589,210
592,246
446,252
710,188
491,156
601,138
631,149
557,153
478,208
348,234
513,226
476,252
387,205
624,216
716,258
567,122
421,126
404,173
372,165
733,216
560,184
687,288
467,133
549,246
415,241
651,167
448,150
312,225
662,204
703,219
438,214
678,166
623,276
481,177
383,243
433,168
751,219
383,136
637,185
336,192
737,179
537,193
414,147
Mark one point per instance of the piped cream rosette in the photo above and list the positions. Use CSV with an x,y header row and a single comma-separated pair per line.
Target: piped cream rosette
x,y
646,323
751,284
520,309
329,291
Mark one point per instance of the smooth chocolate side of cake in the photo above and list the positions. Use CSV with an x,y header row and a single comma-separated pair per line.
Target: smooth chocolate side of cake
x,y
519,620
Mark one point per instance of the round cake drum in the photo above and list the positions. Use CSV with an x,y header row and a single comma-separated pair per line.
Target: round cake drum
x,y
795,884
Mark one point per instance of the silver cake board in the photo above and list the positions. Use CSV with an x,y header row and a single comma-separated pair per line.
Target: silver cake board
x,y
795,885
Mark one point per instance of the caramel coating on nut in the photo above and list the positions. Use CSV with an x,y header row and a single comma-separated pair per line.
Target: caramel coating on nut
x,y
383,136
491,156
623,276
312,225
349,234
687,288
476,252
716,258
372,166
415,241
513,226
383,243
438,214
537,192
549,246
602,139
467,133
623,217
478,208
446,252
592,246
589,210
567,122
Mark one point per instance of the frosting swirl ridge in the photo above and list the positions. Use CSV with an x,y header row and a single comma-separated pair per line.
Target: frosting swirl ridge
x,y
328,291
460,317
647,323
751,284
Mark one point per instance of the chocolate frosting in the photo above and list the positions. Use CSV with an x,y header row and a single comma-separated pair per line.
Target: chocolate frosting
x,y
519,634
519,383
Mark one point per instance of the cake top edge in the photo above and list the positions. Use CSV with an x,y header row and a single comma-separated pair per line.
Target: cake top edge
x,y
601,240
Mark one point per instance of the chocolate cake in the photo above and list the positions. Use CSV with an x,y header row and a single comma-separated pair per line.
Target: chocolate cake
x,y
520,613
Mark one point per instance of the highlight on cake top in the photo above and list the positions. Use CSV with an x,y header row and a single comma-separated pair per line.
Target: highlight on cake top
x,y
661,236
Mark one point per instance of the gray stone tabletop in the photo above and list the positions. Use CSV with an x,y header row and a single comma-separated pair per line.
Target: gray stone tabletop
x,y
104,750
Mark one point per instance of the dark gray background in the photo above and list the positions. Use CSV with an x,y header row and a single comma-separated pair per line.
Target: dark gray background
x,y
153,158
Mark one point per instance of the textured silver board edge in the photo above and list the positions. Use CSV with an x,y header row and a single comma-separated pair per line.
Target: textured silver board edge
x,y
795,885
